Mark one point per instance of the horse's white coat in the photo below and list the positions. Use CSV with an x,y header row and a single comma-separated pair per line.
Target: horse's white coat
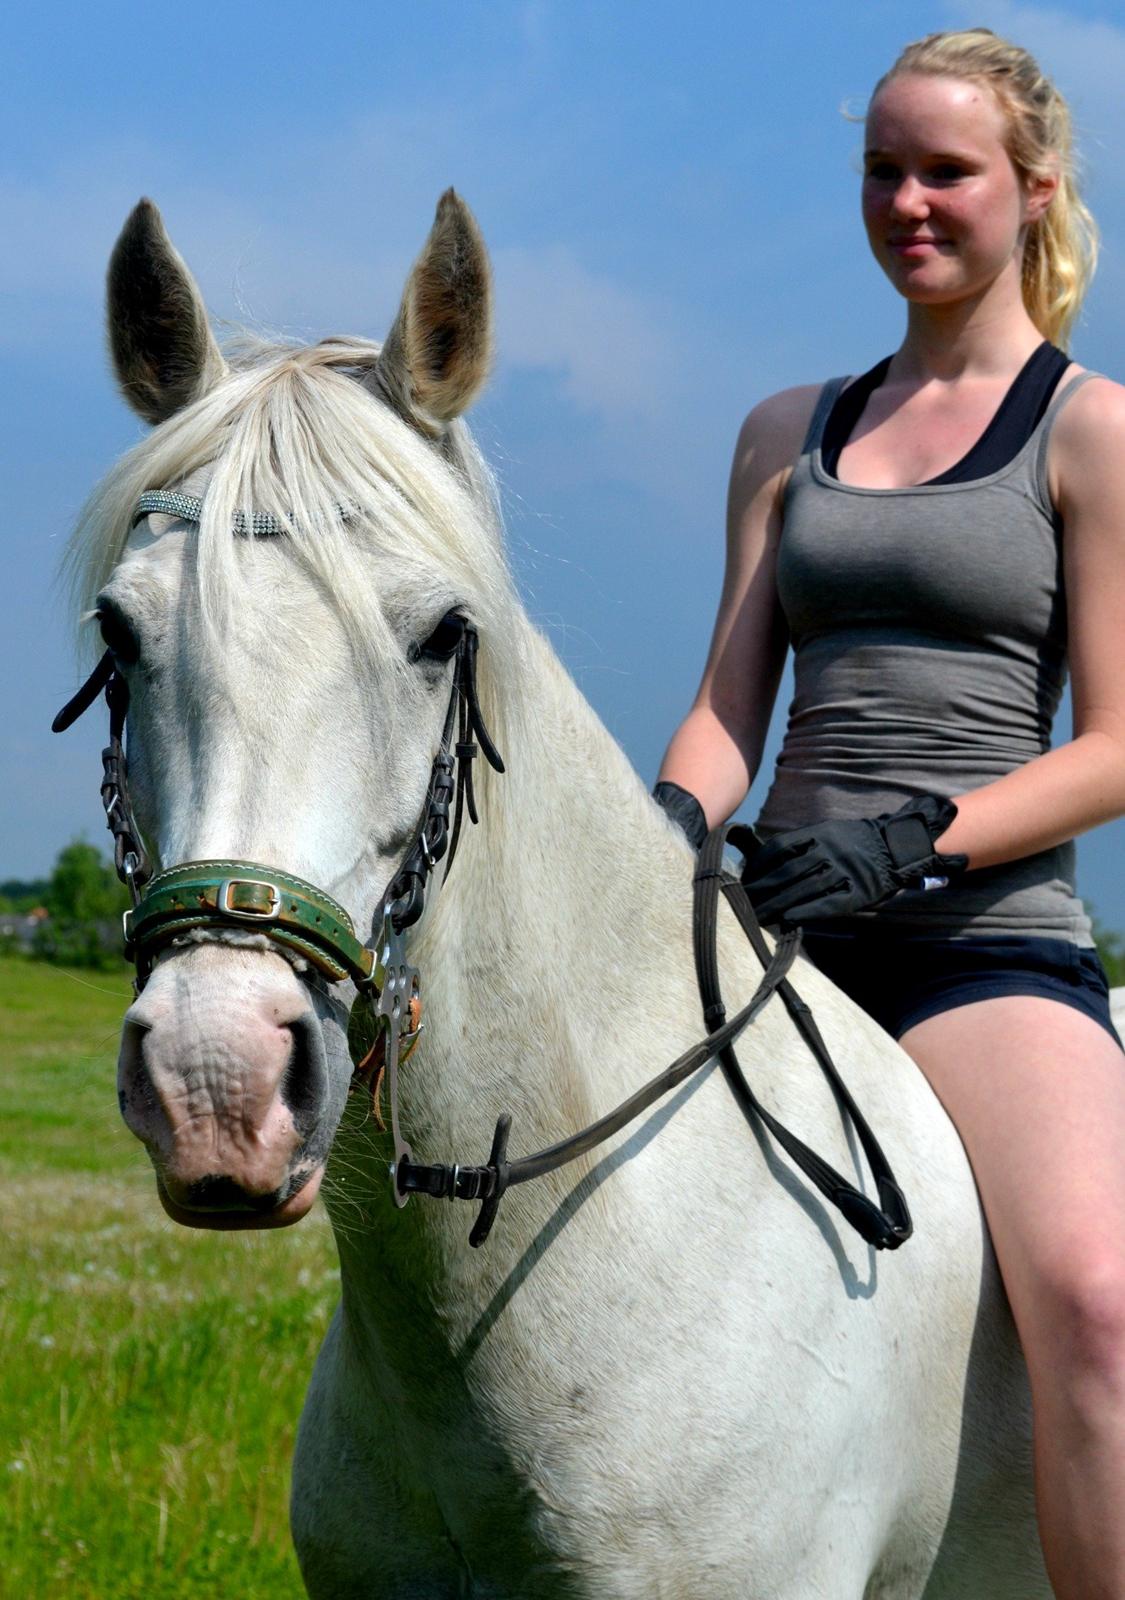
x,y
1117,1008
671,1372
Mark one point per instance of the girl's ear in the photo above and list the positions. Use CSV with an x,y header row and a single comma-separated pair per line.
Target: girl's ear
x,y
1040,190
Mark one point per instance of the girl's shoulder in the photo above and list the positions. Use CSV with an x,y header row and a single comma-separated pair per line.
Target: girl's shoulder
x,y
786,409
1098,404
774,431
1087,446
1092,419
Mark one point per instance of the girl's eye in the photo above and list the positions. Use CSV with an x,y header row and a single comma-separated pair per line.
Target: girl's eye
x,y
882,171
117,633
947,171
443,641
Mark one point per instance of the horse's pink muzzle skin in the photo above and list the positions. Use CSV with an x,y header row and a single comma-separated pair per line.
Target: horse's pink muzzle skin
x,y
222,1076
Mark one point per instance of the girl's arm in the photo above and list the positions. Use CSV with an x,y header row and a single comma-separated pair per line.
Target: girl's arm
x,y
1081,784
716,750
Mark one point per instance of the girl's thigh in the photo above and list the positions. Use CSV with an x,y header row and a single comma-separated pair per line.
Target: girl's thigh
x,y
1037,1092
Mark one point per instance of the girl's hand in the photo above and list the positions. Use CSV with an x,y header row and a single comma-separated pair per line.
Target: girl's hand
x,y
836,868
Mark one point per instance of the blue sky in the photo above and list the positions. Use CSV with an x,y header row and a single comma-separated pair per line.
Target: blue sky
x,y
670,197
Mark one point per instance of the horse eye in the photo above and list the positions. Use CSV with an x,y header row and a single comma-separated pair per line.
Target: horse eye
x,y
117,633
443,642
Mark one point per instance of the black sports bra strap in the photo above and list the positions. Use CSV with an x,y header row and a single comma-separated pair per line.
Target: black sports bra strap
x,y
1013,424
1019,414
821,412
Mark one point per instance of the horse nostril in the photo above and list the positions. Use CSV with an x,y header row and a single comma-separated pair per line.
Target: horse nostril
x,y
304,1082
136,1092
218,1193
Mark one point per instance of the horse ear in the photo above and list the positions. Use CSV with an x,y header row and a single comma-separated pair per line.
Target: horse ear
x,y
163,350
436,357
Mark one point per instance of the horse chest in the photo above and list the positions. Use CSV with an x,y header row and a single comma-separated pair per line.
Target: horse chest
x,y
521,1489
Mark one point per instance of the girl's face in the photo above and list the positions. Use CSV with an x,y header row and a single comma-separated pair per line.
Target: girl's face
x,y
944,207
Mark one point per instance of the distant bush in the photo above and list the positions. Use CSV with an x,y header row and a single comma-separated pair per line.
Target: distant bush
x,y
11,944
1111,948
85,902
79,944
22,894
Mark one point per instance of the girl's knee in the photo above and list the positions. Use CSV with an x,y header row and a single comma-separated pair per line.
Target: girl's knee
x,y
1079,1319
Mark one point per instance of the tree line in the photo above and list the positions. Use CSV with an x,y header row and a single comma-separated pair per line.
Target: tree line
x,y
83,901
73,917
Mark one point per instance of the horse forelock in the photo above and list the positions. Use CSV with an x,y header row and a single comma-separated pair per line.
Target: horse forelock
x,y
300,432
297,432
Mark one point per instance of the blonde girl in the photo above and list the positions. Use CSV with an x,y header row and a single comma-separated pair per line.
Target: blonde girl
x,y
938,540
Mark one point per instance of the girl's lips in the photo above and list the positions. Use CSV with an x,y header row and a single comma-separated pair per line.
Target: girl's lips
x,y
911,247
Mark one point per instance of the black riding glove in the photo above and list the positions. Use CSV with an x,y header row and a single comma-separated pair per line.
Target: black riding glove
x,y
834,868
684,810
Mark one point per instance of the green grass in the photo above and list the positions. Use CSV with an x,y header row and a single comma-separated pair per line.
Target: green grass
x,y
152,1376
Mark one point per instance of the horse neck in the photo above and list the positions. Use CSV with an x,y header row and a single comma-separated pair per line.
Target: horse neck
x,y
556,972
577,893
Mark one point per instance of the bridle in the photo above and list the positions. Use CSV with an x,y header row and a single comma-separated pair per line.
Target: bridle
x,y
221,897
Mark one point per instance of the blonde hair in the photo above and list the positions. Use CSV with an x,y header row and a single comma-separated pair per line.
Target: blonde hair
x,y
1061,251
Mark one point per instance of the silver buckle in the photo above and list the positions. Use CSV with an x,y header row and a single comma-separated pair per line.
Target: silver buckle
x,y
228,910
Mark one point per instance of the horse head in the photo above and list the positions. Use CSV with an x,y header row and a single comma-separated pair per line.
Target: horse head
x,y
283,617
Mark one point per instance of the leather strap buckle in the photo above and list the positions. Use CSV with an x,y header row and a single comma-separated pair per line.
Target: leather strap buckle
x,y
248,911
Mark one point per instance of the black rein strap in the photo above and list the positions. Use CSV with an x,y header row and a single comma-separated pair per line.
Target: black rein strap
x,y
885,1227
129,855
451,779
489,1182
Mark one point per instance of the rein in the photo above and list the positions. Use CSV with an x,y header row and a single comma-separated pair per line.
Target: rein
x,y
303,920
885,1225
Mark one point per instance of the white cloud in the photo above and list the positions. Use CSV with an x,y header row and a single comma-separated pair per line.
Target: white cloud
x,y
611,344
289,264
58,236
57,233
1086,58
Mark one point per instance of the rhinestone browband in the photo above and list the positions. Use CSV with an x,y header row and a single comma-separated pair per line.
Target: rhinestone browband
x,y
189,508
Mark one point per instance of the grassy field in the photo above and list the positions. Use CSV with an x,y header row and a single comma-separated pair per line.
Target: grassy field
x,y
152,1376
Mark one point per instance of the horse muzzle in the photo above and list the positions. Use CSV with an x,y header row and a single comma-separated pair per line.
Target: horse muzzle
x,y
270,1211
223,1076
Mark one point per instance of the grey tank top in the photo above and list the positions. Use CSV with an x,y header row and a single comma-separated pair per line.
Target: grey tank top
x,y
929,633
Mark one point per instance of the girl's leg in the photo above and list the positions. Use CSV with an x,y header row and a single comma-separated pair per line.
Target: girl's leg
x,y
1037,1093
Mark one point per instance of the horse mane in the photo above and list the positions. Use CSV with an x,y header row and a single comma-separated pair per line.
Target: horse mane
x,y
301,432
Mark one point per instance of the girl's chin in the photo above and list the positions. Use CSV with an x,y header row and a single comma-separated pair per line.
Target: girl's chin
x,y
935,280
927,288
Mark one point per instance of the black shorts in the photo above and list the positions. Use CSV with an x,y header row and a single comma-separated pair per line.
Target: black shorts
x,y
901,979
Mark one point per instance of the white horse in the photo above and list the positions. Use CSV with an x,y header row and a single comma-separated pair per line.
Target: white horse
x,y
671,1372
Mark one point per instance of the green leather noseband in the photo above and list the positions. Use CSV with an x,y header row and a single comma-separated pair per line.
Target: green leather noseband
x,y
245,896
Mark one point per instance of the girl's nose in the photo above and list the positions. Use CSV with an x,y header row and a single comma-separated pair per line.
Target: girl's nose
x,y
909,199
